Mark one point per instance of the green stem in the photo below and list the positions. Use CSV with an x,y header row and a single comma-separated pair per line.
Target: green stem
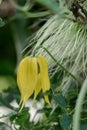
x,y
52,5
37,14
28,14
79,103
59,63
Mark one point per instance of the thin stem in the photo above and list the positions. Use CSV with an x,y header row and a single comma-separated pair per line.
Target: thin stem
x,y
79,103
24,9
37,14
17,43
59,63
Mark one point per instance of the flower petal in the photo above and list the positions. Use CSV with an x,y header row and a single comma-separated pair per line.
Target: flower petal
x,y
44,73
44,77
27,77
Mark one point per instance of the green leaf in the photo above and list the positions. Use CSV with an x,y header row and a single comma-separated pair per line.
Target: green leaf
x,y
23,117
65,121
1,23
72,94
12,116
60,100
4,102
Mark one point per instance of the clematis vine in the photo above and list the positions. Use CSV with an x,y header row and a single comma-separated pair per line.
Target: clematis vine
x,y
32,77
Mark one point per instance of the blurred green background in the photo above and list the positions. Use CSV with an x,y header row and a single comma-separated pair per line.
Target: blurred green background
x,y
7,57
19,25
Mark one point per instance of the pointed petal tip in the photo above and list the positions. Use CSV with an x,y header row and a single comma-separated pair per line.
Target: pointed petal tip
x,y
48,101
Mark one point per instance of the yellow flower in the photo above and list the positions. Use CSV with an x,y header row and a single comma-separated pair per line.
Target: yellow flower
x,y
32,76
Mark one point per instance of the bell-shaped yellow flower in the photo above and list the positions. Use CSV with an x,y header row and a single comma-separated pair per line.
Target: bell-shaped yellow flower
x,y
32,76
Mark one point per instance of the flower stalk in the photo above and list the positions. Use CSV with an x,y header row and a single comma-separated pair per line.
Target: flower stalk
x,y
78,108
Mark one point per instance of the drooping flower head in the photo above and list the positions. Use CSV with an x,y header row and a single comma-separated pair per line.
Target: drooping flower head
x,y
32,76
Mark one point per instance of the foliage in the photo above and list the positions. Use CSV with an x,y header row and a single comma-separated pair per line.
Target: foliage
x,y
57,30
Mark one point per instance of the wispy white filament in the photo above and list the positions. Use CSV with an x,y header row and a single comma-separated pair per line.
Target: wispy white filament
x,y
67,42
